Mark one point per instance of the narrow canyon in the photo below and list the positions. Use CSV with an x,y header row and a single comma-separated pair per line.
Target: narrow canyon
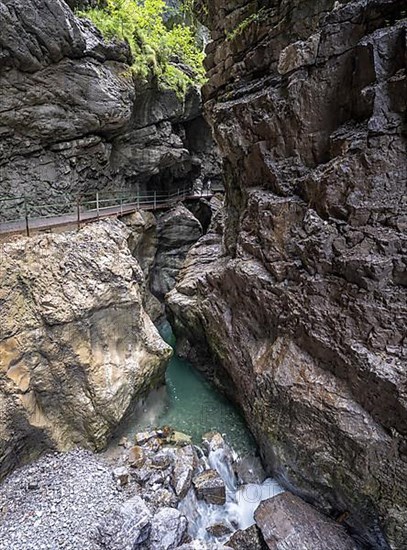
x,y
202,278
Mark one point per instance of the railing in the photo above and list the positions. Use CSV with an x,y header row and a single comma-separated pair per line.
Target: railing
x,y
85,207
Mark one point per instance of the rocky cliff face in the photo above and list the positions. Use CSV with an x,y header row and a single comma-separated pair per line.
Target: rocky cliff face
x,y
76,345
301,301
73,119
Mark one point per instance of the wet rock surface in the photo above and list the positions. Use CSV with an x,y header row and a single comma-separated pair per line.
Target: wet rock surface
x,y
301,300
184,470
248,539
210,487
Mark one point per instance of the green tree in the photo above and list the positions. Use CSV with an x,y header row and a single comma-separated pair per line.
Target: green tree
x,y
156,48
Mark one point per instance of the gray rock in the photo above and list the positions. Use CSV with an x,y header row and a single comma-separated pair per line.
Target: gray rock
x,y
178,230
143,437
202,545
168,529
73,492
185,464
310,269
249,469
70,122
287,523
127,528
161,497
163,459
247,539
213,441
209,486
121,475
136,456
219,530
29,36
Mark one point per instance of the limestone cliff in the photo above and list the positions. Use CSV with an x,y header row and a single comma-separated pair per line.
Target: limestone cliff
x,y
76,345
301,302
73,119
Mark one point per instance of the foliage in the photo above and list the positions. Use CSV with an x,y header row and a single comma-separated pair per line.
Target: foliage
x,y
255,17
156,48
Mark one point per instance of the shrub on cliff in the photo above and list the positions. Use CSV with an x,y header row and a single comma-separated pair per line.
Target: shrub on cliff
x,y
159,51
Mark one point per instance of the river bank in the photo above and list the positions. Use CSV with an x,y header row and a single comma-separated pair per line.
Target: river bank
x,y
161,488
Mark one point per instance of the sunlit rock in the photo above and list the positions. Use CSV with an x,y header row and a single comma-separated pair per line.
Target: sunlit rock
x,y
76,346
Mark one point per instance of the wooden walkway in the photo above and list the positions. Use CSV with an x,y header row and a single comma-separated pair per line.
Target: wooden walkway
x,y
82,216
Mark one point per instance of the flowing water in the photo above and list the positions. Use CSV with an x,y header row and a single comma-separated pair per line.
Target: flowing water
x,y
189,404
241,501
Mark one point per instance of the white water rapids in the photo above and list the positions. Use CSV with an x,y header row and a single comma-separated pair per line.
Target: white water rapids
x,y
241,500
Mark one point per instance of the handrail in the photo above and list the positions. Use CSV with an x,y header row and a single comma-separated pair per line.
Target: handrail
x,y
78,209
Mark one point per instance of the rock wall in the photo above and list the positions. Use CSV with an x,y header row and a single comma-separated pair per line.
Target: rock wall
x,y
73,119
301,300
178,229
76,345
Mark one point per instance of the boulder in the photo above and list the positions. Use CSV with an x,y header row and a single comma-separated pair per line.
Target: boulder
x,y
249,469
202,545
219,530
247,539
136,456
143,437
127,527
287,523
163,459
168,529
179,439
209,486
185,464
212,441
160,497
76,346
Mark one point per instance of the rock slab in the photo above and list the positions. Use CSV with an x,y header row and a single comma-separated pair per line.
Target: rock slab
x,y
76,345
287,523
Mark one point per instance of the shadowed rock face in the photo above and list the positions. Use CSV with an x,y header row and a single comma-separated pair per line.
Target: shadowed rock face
x,y
76,345
178,230
301,302
74,119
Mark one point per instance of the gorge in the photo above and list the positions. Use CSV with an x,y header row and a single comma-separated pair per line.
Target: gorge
x,y
286,292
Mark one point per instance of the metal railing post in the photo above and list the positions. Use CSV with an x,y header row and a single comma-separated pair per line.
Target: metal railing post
x,y
78,211
121,205
27,227
97,204
155,200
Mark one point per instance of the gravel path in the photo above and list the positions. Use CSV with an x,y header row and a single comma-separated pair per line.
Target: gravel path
x,y
56,502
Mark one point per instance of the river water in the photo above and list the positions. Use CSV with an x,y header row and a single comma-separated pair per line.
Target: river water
x,y
189,404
